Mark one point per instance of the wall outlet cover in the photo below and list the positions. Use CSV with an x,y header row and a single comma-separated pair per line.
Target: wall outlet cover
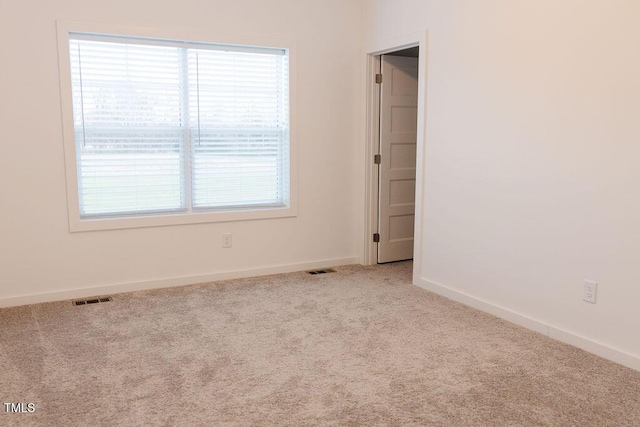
x,y
590,291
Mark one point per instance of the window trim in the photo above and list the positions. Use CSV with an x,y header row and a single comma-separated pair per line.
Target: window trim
x,y
78,224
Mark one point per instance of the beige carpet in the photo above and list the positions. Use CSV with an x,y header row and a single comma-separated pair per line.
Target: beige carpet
x,y
360,346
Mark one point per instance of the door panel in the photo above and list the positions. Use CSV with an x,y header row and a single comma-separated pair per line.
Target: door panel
x,y
402,156
398,131
401,192
401,228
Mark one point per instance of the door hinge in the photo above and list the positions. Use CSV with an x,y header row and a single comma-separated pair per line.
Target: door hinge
x,y
378,78
376,238
377,159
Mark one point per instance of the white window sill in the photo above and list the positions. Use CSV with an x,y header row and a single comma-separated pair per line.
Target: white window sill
x,y
78,225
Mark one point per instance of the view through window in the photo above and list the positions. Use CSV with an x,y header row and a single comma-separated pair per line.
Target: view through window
x,y
167,126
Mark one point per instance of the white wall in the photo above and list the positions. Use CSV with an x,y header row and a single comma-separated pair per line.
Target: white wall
x,y
40,256
532,147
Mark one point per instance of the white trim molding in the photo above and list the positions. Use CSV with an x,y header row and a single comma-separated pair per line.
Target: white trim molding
x,y
171,282
603,350
418,39
78,224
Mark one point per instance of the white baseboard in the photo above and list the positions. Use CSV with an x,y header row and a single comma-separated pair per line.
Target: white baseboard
x,y
171,282
595,347
541,327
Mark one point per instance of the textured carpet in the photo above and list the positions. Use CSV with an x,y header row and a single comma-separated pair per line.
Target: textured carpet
x,y
360,346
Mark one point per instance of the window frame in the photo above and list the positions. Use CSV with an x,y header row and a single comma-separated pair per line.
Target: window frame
x,y
76,222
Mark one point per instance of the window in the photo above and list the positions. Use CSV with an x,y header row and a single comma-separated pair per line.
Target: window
x,y
168,127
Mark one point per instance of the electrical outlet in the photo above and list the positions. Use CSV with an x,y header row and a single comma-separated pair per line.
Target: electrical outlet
x,y
590,291
226,240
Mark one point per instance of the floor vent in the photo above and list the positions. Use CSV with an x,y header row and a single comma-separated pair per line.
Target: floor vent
x,y
329,270
92,301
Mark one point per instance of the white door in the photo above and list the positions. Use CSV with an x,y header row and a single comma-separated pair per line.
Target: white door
x,y
397,169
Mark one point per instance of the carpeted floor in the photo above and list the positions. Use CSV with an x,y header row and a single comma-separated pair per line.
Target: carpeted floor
x,y
360,346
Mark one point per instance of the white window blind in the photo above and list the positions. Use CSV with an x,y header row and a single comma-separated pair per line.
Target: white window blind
x,y
164,126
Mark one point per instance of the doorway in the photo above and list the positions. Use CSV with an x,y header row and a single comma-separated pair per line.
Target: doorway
x,y
395,158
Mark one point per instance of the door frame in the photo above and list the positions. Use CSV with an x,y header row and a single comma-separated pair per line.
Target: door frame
x,y
372,144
